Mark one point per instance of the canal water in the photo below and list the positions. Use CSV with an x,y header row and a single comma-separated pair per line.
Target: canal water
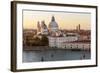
x,y
54,55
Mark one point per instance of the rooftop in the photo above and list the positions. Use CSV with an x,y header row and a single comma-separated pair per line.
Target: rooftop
x,y
79,41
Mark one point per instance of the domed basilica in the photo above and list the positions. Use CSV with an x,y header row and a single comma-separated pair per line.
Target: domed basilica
x,y
52,28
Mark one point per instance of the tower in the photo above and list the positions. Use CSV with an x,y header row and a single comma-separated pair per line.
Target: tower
x,y
44,29
78,28
38,27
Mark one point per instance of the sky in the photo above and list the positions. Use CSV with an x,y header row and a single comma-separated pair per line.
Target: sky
x,y
65,20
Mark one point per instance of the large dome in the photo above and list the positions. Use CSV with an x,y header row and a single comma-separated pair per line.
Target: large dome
x,y
53,26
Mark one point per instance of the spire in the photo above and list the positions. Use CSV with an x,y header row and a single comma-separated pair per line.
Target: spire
x,y
79,26
53,18
38,26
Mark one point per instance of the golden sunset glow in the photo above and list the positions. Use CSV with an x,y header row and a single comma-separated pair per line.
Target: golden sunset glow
x,y
65,20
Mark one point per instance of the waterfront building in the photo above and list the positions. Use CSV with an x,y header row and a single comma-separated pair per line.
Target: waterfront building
x,y
71,42
79,44
57,41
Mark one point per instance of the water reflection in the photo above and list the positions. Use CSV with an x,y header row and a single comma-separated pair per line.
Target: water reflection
x,y
54,55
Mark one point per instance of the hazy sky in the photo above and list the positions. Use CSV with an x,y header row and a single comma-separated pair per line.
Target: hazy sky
x,y
65,20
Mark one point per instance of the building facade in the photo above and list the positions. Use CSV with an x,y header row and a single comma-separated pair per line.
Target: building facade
x,y
58,41
79,44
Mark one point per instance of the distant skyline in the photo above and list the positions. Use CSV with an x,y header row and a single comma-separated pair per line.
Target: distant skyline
x,y
65,20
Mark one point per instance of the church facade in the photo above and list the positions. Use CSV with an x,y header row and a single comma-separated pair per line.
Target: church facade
x,y
52,28
55,36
